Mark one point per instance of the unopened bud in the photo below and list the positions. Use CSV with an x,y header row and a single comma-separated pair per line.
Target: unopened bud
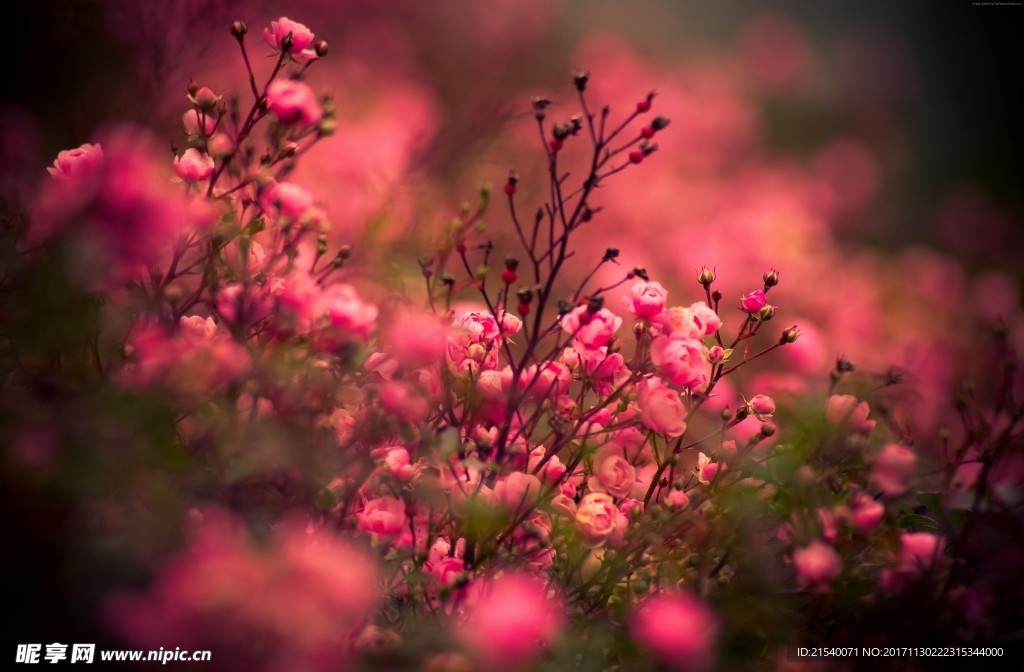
x,y
561,131
192,87
524,295
580,79
511,263
594,304
843,365
641,273
610,254
716,296
767,429
789,335
539,105
726,415
660,122
320,48
239,29
564,307
706,277
766,313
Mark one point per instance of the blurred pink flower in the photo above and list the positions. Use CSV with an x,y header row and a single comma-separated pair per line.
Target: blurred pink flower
x,y
82,162
844,408
679,629
193,166
817,564
648,299
293,102
893,469
661,409
512,619
301,36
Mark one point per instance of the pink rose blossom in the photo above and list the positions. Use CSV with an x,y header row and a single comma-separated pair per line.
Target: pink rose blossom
x,y
193,166
866,514
288,198
302,37
706,469
591,329
677,498
648,299
397,462
293,102
753,302
761,404
198,123
679,629
681,360
817,564
80,163
661,409
512,619
612,473
447,570
384,516
596,517
347,312
844,408
894,468
518,491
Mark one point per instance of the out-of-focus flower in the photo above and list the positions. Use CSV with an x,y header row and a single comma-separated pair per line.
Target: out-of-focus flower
x,y
293,102
681,360
193,166
893,469
679,629
844,408
82,162
384,516
512,619
285,30
762,405
817,564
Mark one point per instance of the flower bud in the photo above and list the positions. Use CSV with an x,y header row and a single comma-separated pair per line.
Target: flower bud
x,y
766,313
524,295
726,415
789,335
610,254
561,131
192,87
716,296
511,263
641,273
320,48
660,123
594,304
771,278
716,354
580,79
539,105
706,277
239,29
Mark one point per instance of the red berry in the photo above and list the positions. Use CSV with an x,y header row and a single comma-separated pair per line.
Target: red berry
x,y
556,144
523,308
510,188
508,276
647,132
636,156
461,248
643,106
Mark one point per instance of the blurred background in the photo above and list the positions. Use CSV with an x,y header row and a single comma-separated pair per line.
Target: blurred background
x,y
868,150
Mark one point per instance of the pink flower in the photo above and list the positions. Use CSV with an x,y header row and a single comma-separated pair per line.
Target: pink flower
x,y
681,360
716,354
894,468
198,123
679,629
384,516
518,491
80,163
762,405
866,514
286,198
706,469
753,302
347,312
591,329
919,552
193,166
612,473
511,621
817,564
697,321
648,299
416,338
447,570
397,462
844,408
661,409
596,517
293,102
301,36
677,498
705,318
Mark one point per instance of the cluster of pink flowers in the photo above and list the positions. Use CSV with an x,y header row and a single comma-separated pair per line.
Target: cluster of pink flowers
x,y
501,474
